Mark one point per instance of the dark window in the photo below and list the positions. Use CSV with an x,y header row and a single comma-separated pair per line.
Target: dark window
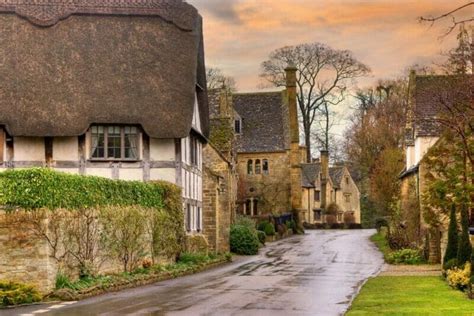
x,y
198,219
237,126
255,207
193,143
317,215
248,207
250,166
347,180
258,167
265,166
188,217
317,195
114,142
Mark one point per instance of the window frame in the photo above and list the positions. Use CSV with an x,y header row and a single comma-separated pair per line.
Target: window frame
x,y
265,167
317,196
250,167
122,143
238,122
258,167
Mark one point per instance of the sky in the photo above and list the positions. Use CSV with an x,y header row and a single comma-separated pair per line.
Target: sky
x,y
383,34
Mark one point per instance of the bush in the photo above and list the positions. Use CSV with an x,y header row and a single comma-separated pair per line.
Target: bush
x,y
12,293
464,246
282,229
267,227
245,221
348,218
332,209
405,256
452,246
459,278
243,240
380,222
450,264
291,225
261,236
193,258
330,220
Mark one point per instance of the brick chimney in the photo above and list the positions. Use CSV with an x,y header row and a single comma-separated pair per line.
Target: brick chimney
x,y
295,154
324,177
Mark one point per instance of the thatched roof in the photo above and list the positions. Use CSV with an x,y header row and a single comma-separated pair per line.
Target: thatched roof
x,y
265,125
67,64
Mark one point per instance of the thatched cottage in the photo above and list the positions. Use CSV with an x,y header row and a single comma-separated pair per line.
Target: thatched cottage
x,y
108,88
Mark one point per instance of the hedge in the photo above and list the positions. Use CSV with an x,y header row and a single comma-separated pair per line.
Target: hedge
x,y
45,188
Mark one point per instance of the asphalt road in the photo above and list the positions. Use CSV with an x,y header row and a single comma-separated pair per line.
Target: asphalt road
x,y
315,274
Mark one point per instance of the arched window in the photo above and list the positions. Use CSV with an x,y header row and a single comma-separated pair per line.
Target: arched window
x,y
265,166
258,167
255,206
250,166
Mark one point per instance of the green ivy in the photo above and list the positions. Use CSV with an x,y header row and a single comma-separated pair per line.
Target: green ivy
x,y
45,188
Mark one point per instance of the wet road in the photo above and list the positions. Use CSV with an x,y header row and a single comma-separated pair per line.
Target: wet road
x,y
315,274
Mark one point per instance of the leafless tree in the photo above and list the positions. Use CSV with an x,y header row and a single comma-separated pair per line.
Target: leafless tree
x,y
216,79
453,15
323,76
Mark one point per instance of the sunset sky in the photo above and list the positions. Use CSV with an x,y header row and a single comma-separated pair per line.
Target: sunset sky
x,y
384,34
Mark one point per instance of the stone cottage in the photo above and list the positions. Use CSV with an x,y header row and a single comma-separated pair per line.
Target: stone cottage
x,y
115,89
323,185
422,133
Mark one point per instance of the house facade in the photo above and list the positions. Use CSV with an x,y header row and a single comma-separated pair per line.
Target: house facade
x,y
324,185
114,89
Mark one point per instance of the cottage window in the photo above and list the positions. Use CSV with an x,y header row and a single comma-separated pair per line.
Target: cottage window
x,y
347,198
238,126
248,207
258,167
193,150
317,215
265,166
250,166
189,217
317,195
347,180
198,219
114,142
255,206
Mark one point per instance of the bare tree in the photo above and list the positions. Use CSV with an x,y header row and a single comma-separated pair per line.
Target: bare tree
x,y
323,76
216,79
453,15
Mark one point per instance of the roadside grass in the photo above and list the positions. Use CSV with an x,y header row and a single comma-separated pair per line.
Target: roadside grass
x,y
380,240
88,286
410,295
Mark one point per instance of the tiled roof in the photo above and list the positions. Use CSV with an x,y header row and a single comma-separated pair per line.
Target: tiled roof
x,y
336,174
309,172
265,126
49,12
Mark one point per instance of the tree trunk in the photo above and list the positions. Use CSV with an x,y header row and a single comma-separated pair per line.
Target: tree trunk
x,y
307,142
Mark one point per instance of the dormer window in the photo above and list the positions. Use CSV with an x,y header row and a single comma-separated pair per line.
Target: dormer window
x,y
113,142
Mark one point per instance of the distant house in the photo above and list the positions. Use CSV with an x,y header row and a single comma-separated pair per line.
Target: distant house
x,y
422,133
115,89
324,185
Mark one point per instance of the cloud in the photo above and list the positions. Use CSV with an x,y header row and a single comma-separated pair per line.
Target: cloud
x,y
218,9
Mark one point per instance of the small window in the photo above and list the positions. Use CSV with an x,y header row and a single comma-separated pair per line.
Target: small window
x,y
347,180
317,195
265,166
317,215
248,207
114,142
258,167
250,166
198,219
238,126
347,198
193,144
255,206
188,217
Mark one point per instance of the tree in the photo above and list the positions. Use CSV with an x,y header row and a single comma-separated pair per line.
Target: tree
x,y
465,247
323,76
452,247
216,79
460,58
452,14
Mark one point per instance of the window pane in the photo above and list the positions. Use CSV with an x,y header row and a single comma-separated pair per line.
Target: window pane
x,y
265,166
97,142
114,141
257,166
250,167
131,146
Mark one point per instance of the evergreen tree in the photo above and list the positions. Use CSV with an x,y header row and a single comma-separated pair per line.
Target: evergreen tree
x,y
459,58
465,247
452,248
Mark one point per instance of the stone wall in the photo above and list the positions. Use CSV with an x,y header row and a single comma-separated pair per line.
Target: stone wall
x,y
219,198
272,190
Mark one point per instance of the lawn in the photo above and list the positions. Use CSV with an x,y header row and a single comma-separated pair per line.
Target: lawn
x,y
380,241
410,295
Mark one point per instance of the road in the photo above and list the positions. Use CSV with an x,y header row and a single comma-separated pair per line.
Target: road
x,y
318,273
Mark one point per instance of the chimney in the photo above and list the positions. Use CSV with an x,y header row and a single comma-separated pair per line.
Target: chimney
x,y
324,177
295,154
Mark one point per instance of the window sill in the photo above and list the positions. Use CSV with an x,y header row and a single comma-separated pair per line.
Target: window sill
x,y
113,160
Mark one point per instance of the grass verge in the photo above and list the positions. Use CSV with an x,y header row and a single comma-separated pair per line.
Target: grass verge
x,y
410,295
380,240
91,286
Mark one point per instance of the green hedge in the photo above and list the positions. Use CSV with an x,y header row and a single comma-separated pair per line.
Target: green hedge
x,y
45,188
12,293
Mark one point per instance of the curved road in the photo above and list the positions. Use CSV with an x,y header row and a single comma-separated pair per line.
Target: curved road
x,y
315,274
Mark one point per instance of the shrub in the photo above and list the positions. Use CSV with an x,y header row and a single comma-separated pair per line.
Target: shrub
x,y
380,222
451,264
348,218
267,227
245,221
330,220
464,247
12,293
332,209
459,278
405,256
243,240
452,247
193,258
282,229
261,236
291,225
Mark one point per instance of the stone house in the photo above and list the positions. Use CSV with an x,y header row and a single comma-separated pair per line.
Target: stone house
x,y
323,185
422,133
115,89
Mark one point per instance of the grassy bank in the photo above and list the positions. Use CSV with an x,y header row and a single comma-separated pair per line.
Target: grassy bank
x,y
410,295
380,240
